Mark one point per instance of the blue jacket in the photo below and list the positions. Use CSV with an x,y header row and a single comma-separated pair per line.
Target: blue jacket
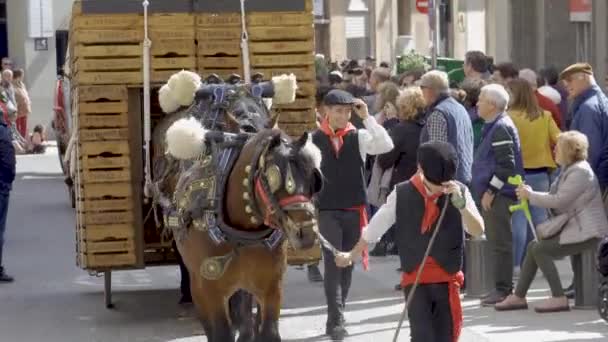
x,y
7,159
460,134
589,113
497,158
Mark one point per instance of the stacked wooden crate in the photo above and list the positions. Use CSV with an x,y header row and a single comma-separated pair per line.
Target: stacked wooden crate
x,y
279,43
106,222
108,49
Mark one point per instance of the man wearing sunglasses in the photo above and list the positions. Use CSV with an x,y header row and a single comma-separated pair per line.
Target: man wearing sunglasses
x,y
342,202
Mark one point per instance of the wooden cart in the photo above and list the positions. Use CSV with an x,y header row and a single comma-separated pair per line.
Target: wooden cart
x,y
115,227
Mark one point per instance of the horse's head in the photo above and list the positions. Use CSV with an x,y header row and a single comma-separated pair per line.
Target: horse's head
x,y
281,181
246,105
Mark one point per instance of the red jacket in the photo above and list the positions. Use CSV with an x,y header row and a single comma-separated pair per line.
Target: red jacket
x,y
546,104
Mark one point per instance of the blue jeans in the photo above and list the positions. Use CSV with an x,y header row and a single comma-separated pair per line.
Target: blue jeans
x,y
3,213
519,225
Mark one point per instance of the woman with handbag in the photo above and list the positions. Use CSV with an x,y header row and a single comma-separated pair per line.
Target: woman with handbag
x,y
577,222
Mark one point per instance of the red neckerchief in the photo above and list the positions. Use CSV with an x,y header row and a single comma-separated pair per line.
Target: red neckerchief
x,y
434,274
339,134
431,210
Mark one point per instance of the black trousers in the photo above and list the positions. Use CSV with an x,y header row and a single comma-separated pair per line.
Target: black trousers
x,y
342,229
430,313
183,270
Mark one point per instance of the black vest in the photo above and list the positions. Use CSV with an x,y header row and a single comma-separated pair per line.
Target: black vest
x,y
448,247
343,185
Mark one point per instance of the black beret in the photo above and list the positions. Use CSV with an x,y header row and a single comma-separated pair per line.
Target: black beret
x,y
338,97
438,161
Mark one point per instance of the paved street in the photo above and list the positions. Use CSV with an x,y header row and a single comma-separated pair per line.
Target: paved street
x,y
53,301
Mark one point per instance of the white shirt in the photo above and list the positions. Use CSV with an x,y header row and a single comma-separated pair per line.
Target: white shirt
x,y
386,216
373,140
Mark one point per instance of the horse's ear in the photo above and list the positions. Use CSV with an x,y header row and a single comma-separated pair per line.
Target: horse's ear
x,y
274,121
300,143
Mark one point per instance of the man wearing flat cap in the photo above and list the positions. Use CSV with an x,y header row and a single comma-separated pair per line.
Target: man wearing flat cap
x,y
435,312
342,202
589,113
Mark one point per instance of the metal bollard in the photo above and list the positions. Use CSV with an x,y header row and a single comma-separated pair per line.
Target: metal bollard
x,y
479,275
586,280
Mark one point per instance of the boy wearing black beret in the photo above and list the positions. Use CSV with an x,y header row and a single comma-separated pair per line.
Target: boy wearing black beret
x,y
435,313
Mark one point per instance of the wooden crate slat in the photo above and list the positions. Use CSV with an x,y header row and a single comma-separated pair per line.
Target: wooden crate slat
x,y
108,246
115,190
297,116
174,62
282,47
299,103
107,217
106,176
124,77
173,33
282,60
110,21
88,64
97,148
103,107
161,76
254,19
172,20
108,205
103,121
109,260
222,73
105,162
225,33
104,134
91,36
116,231
223,62
178,46
306,89
214,47
130,50
94,93
305,32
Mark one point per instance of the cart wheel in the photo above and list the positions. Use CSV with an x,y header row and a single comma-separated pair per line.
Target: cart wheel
x,y
107,289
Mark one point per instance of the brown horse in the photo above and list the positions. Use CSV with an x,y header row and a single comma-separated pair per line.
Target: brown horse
x,y
283,204
236,205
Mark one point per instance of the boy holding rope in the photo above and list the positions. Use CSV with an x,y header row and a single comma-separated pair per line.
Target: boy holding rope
x,y
431,212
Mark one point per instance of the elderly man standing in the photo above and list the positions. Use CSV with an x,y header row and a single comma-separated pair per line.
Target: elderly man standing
x,y
448,121
589,113
497,158
7,176
342,202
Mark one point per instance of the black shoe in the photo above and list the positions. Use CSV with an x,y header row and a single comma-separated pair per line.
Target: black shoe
x,y
336,332
398,287
570,293
494,297
186,299
314,275
379,250
5,278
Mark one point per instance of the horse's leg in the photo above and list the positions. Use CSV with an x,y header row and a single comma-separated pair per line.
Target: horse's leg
x,y
212,312
270,306
242,316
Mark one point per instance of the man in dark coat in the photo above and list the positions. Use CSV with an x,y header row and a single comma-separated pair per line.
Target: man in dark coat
x,y
435,312
7,176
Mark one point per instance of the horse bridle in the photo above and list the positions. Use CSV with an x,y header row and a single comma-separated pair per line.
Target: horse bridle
x,y
274,212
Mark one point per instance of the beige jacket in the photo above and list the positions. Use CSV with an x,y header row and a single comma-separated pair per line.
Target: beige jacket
x,y
576,191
